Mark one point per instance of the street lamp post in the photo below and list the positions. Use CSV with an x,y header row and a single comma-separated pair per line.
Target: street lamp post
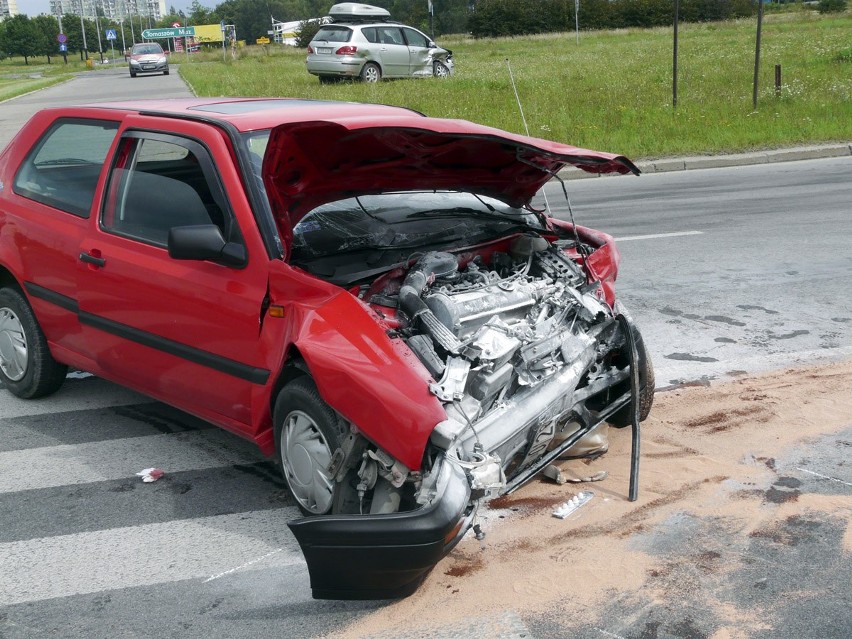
x,y
83,27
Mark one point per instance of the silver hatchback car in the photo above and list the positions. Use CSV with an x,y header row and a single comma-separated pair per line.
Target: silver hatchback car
x,y
367,46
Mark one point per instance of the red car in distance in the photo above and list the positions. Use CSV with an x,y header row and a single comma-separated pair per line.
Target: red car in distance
x,y
363,291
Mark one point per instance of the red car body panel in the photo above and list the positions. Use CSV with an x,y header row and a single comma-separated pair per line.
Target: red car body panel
x,y
201,307
409,153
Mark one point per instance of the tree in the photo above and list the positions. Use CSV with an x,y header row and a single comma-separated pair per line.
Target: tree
x,y
48,28
199,14
22,37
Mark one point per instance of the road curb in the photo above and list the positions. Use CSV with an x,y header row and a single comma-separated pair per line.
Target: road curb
x,y
790,154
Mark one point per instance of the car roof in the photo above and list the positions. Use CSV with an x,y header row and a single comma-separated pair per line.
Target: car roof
x,y
250,114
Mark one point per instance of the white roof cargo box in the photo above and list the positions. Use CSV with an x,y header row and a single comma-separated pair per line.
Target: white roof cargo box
x,y
356,12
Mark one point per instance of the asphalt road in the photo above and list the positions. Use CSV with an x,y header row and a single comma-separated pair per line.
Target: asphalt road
x,y
759,277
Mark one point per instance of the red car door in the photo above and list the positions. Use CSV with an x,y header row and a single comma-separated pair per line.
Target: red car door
x,y
184,331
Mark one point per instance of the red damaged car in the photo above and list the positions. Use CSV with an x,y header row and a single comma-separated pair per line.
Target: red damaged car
x,y
363,291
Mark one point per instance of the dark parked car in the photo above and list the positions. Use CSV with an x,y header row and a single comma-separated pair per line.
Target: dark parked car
x,y
363,291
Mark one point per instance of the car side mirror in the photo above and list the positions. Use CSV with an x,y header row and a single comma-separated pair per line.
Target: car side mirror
x,y
204,242
431,45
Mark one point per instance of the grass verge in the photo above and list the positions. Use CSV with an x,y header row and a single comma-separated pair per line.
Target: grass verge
x,y
613,91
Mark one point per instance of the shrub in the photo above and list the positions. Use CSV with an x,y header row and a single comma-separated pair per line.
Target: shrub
x,y
307,31
831,6
520,17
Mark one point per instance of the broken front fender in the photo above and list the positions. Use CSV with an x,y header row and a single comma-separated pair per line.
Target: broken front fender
x,y
384,556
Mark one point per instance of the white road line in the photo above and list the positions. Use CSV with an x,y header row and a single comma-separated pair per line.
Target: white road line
x,y
810,472
245,565
69,464
657,235
85,563
609,634
75,395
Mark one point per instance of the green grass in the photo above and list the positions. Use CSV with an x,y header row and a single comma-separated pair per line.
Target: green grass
x,y
17,78
613,91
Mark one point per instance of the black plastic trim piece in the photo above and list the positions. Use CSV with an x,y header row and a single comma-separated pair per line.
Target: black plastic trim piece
x,y
384,556
62,301
205,358
216,362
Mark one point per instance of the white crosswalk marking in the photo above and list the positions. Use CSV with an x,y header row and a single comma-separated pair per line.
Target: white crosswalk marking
x,y
91,562
115,459
99,534
77,395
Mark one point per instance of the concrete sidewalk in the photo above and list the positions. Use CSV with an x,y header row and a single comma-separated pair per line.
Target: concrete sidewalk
x,y
787,154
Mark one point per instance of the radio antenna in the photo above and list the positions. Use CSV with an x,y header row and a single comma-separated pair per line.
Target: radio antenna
x,y
580,248
524,120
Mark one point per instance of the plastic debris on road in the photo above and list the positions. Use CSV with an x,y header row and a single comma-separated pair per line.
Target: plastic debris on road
x,y
150,474
573,504
556,474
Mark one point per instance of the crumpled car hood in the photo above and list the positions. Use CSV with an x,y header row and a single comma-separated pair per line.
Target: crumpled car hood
x,y
311,163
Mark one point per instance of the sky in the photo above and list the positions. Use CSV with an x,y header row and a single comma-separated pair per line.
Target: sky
x,y
35,7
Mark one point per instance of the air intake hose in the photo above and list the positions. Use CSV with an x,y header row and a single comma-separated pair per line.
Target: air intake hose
x,y
433,264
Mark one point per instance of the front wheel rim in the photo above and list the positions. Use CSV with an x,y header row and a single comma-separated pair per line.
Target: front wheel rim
x,y
13,346
441,71
305,457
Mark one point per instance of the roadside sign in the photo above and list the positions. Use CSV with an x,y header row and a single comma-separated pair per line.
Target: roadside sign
x,y
62,38
177,32
110,34
63,48
263,40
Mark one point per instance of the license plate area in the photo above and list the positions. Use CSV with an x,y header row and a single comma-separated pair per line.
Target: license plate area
x,y
324,50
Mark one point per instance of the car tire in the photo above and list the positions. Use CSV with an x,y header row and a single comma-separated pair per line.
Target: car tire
x,y
307,432
132,73
440,70
166,72
371,73
624,416
27,368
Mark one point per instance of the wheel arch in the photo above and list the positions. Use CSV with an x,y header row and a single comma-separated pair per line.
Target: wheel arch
x,y
293,367
7,279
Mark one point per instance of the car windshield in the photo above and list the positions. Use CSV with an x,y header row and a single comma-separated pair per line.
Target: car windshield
x,y
406,221
141,49
395,224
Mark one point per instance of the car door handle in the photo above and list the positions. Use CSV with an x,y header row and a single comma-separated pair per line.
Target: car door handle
x,y
92,259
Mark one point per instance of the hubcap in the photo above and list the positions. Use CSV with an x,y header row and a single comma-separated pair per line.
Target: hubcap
x,y
440,71
305,456
371,74
13,345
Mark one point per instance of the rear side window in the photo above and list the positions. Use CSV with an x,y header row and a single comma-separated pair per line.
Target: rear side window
x,y
370,34
63,168
334,34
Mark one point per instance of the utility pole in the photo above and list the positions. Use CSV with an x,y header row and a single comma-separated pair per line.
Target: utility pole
x,y
757,53
674,54
83,27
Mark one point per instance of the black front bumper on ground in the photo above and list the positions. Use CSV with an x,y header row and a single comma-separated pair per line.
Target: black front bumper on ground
x,y
384,556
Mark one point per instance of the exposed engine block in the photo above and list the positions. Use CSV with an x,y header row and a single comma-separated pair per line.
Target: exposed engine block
x,y
507,344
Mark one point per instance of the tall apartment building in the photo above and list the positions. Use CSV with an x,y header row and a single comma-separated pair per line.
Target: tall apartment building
x,y
115,9
8,8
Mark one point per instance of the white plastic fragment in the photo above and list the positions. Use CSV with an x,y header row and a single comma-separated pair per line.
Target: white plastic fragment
x,y
150,474
573,504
